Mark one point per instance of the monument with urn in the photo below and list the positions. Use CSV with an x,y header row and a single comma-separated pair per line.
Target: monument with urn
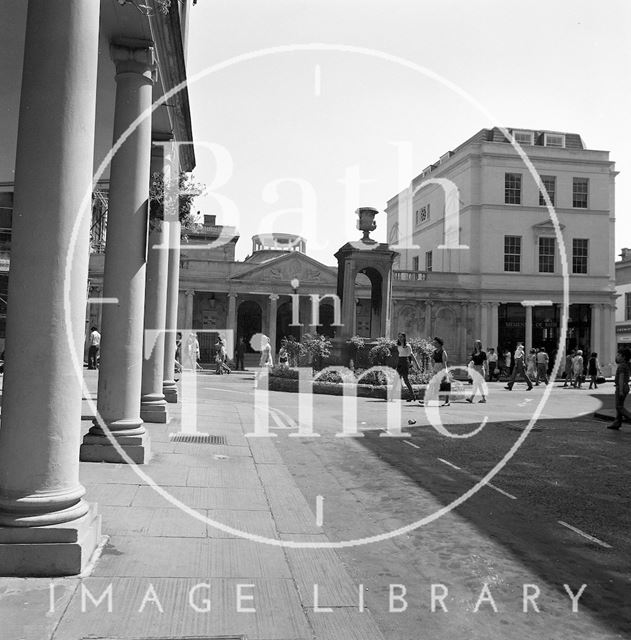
x,y
374,260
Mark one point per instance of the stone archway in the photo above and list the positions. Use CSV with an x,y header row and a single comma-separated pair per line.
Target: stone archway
x,y
376,300
249,320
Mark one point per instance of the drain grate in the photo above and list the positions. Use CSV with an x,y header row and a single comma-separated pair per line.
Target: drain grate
x,y
197,438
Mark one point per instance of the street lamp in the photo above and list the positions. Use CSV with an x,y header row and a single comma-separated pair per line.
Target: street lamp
x,y
295,283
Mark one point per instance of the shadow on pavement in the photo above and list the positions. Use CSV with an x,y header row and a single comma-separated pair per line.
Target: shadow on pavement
x,y
591,493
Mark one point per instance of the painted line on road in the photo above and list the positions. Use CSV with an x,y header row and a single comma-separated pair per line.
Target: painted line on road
x,y
453,466
504,493
585,535
412,444
319,510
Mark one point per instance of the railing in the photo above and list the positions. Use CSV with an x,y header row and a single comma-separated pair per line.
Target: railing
x,y
409,274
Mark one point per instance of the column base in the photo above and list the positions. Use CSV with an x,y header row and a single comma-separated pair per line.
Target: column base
x,y
169,389
97,448
153,408
54,550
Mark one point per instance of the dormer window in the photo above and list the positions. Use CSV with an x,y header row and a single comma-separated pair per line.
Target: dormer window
x,y
524,137
554,140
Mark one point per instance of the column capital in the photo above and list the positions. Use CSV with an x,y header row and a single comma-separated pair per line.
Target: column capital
x,y
134,57
233,295
189,292
273,297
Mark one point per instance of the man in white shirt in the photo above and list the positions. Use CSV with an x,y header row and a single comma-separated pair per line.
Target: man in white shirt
x,y
93,351
519,368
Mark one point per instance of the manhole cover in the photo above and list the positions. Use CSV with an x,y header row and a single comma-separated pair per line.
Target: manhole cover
x,y
197,438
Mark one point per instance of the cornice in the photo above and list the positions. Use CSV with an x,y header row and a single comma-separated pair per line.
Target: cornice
x,y
167,35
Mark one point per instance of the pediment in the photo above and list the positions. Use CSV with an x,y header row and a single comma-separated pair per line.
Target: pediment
x,y
546,226
282,269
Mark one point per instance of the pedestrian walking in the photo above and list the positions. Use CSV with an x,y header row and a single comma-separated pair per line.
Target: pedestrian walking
x,y
519,368
93,349
479,365
569,370
191,350
577,369
406,355
221,357
506,362
240,355
266,353
178,353
439,359
542,366
531,364
622,388
283,354
491,358
593,369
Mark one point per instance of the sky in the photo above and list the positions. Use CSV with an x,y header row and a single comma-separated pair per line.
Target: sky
x,y
304,110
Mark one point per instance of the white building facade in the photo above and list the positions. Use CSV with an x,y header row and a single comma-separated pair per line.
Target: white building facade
x,y
508,281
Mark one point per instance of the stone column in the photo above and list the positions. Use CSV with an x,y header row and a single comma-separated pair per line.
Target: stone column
x,y
528,336
494,321
169,387
349,306
232,314
483,328
428,319
596,329
46,528
120,373
462,328
152,401
188,312
273,304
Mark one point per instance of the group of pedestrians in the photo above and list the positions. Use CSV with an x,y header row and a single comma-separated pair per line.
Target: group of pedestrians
x,y
577,371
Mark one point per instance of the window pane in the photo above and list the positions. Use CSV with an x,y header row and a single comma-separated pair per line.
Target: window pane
x,y
512,188
579,192
512,253
546,255
549,182
627,306
428,261
579,255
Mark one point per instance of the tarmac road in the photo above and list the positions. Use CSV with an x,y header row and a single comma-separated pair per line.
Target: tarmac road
x,y
554,518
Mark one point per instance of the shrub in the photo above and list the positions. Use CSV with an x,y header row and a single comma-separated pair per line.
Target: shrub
x,y
319,348
382,351
283,372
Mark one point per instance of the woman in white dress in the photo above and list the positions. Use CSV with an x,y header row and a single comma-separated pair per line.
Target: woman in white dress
x,y
266,353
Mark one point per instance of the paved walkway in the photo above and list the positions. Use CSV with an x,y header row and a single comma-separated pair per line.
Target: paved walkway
x,y
168,573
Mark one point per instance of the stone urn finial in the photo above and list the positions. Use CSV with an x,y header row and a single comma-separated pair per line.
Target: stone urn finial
x,y
366,222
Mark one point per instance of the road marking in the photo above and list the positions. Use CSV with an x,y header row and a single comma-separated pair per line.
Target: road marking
x,y
450,464
319,510
412,444
585,535
504,493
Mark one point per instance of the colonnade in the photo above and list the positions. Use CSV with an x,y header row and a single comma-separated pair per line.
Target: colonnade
x,y
46,527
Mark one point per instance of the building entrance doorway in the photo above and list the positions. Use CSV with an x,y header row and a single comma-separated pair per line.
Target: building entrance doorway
x,y
249,321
